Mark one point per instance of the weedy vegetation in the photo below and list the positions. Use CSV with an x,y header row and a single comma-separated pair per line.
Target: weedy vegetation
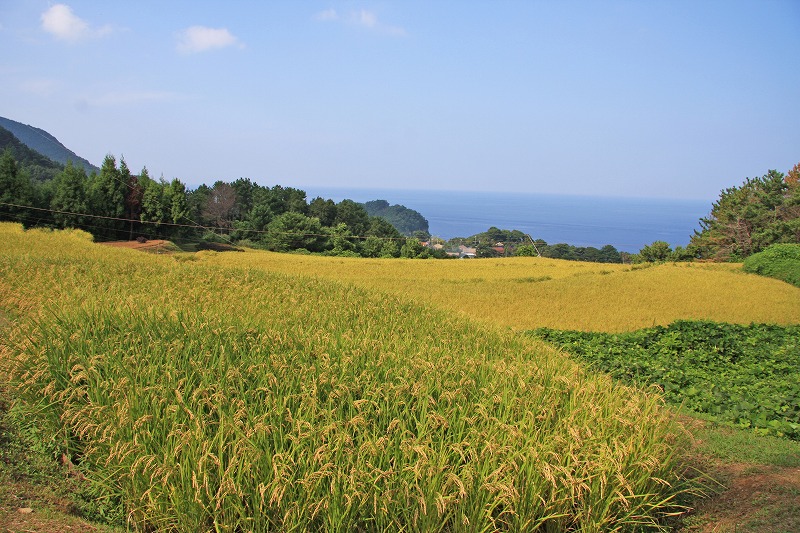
x,y
205,395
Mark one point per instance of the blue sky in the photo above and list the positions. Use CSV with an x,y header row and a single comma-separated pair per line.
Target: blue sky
x,y
675,99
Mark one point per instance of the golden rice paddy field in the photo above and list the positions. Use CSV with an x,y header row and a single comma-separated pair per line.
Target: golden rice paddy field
x,y
265,392
527,293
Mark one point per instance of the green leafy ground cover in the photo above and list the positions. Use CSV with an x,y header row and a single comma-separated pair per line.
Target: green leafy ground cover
x,y
781,261
746,376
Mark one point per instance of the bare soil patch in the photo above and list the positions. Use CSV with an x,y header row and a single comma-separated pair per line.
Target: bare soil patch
x,y
155,245
755,498
26,507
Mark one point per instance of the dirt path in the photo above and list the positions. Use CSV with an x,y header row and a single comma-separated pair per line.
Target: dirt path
x,y
757,498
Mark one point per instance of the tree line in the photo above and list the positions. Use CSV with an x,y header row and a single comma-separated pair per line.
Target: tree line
x,y
745,220
116,204
496,242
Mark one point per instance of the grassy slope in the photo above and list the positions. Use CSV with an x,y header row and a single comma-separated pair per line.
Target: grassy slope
x,y
429,419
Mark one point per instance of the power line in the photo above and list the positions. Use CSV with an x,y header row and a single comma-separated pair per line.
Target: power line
x,y
130,187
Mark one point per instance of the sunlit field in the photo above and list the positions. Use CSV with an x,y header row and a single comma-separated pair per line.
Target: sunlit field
x,y
220,392
528,293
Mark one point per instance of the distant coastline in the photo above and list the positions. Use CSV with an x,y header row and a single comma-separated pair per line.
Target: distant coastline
x,y
625,223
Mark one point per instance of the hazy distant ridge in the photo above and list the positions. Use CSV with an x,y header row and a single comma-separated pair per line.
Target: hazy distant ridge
x,y
38,166
44,143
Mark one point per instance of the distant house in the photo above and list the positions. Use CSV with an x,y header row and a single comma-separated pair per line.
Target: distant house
x,y
465,252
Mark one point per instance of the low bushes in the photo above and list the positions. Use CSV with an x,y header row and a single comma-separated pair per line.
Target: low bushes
x,y
780,261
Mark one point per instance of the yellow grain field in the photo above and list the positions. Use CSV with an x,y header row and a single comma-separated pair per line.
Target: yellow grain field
x,y
215,393
527,293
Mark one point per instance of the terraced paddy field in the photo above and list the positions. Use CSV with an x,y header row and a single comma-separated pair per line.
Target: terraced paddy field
x,y
527,293
265,392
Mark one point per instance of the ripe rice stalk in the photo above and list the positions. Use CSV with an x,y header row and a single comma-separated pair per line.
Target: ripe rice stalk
x,y
201,395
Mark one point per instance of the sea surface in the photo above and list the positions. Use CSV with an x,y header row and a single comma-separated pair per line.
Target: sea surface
x,y
628,224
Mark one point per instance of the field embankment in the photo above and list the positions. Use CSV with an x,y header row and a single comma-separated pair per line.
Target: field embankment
x,y
199,395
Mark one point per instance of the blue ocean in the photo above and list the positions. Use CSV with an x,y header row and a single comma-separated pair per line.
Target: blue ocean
x,y
625,223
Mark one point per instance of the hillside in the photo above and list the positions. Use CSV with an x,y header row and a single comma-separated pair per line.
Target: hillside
x,y
39,167
44,143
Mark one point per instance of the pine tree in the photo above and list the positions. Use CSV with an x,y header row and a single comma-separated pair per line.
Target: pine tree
x,y
70,198
16,190
749,218
107,194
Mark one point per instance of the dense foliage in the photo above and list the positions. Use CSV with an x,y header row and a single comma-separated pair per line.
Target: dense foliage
x,y
38,167
115,204
660,251
496,242
742,375
781,261
407,221
606,254
16,189
195,396
749,218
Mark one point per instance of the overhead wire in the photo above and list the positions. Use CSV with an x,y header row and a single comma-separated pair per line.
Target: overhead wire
x,y
193,226
207,228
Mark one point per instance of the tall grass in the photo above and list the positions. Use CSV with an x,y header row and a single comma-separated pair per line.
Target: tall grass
x,y
199,398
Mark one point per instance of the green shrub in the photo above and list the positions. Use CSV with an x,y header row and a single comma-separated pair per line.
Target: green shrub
x,y
780,261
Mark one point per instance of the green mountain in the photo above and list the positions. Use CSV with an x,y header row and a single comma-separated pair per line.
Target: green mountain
x,y
44,143
38,167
